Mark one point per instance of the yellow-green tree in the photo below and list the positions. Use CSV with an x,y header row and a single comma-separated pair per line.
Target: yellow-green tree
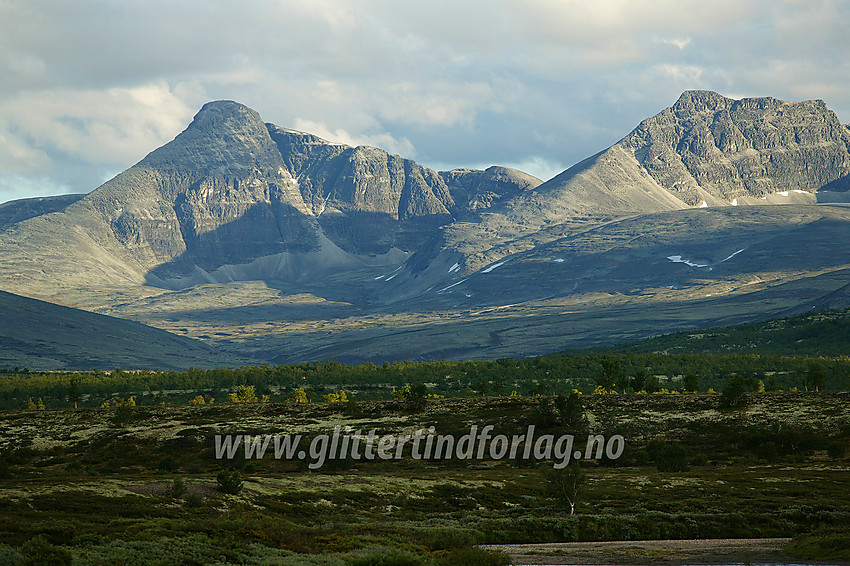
x,y
340,397
244,394
298,396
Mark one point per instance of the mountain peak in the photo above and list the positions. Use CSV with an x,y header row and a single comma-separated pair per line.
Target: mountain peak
x,y
701,101
710,149
227,114
225,138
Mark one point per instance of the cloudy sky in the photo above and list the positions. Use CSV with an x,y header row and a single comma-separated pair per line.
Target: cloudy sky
x,y
88,88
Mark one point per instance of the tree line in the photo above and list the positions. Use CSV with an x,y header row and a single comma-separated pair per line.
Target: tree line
x,y
550,374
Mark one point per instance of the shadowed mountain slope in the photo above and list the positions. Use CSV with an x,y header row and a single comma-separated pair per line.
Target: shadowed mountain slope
x,y
44,336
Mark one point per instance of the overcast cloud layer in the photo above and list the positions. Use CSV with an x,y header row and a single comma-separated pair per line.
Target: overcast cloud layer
x,y
87,89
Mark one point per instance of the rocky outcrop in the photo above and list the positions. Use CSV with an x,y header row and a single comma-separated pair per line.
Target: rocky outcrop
x,y
218,194
709,147
705,150
234,197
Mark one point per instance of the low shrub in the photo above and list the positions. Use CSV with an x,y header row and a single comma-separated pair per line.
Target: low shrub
x,y
446,538
386,557
474,557
229,481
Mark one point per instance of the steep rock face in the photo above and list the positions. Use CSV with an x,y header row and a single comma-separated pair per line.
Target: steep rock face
x,y
231,197
218,194
366,200
705,150
707,146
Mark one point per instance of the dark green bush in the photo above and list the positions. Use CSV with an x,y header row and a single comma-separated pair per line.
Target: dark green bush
x,y
39,552
836,450
229,481
178,488
445,538
734,393
668,457
385,557
168,464
474,557
194,500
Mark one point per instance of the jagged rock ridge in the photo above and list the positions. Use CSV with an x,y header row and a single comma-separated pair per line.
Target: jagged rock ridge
x,y
709,147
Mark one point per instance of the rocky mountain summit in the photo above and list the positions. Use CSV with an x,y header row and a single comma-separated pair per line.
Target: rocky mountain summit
x,y
709,148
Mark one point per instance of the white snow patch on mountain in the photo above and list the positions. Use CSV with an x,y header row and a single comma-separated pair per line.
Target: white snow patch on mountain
x,y
494,266
733,255
450,286
678,259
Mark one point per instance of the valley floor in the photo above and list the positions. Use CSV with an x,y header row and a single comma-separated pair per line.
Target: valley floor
x,y
142,485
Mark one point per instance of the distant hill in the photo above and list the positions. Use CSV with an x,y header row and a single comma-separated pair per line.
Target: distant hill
x,y
43,336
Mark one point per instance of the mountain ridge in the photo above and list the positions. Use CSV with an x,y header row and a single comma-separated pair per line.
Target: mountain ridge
x,y
275,243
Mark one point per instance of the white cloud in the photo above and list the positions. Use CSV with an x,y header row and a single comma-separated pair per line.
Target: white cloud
x,y
677,42
385,141
41,130
13,187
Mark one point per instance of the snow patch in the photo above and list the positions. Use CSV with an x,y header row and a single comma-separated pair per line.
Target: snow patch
x,y
704,205
450,286
733,255
678,259
734,202
783,193
559,260
389,275
494,266
455,267
799,191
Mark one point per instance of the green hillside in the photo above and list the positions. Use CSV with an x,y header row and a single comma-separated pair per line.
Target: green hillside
x,y
811,334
